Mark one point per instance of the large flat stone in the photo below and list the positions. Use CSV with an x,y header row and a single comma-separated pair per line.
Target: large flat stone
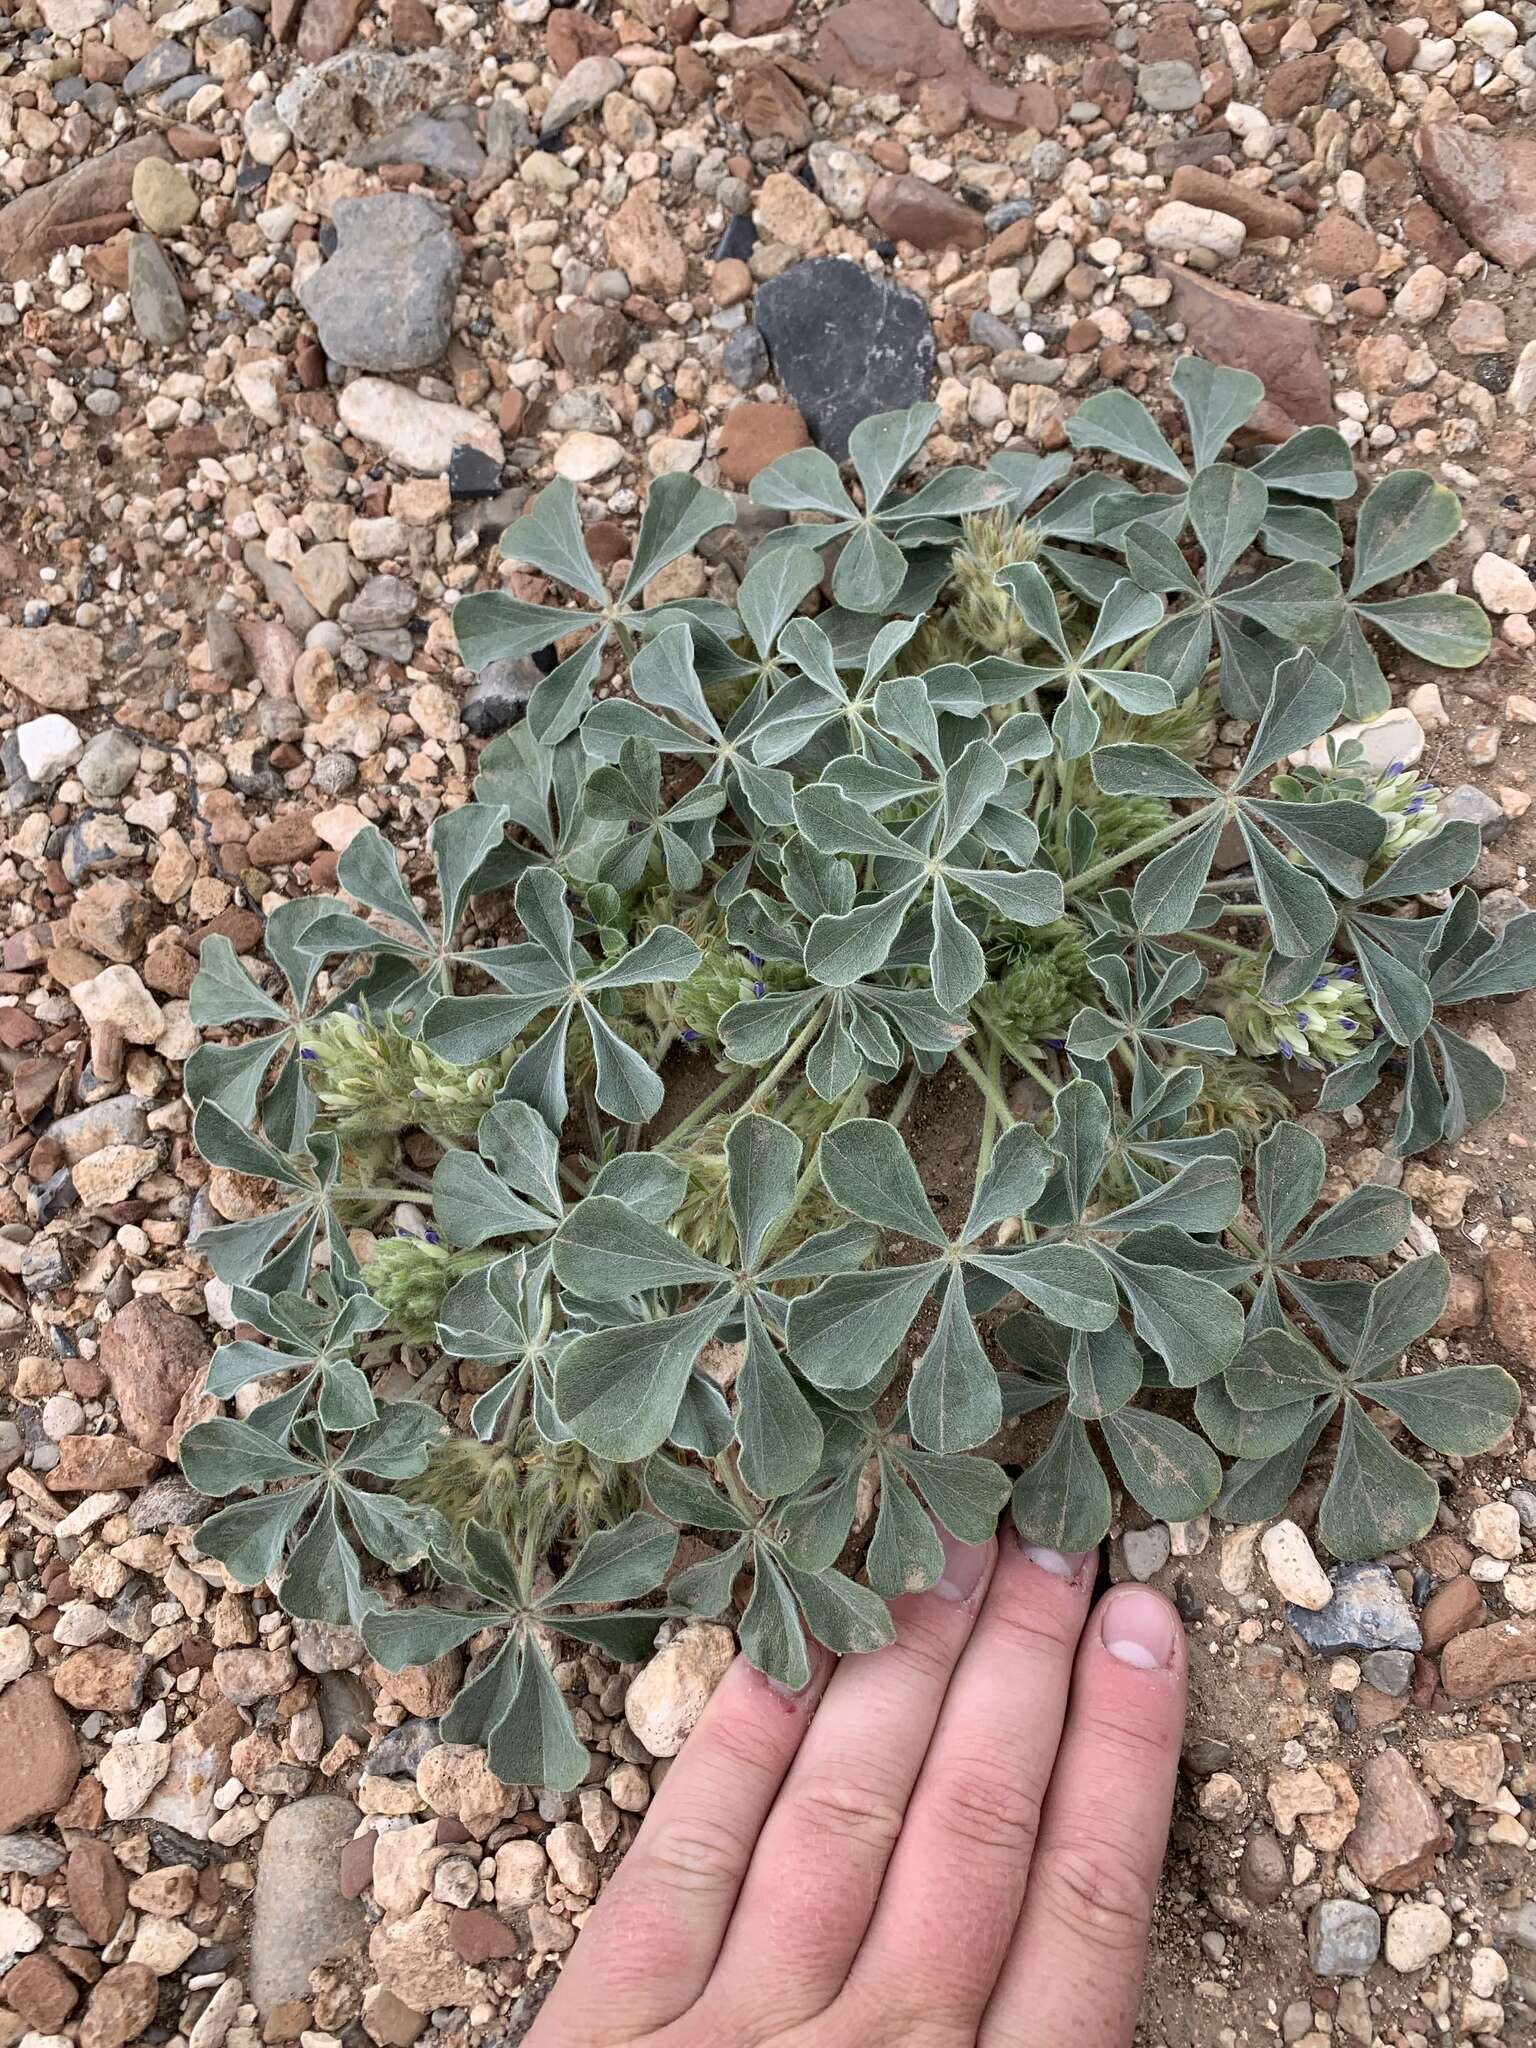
x,y
301,1917
809,314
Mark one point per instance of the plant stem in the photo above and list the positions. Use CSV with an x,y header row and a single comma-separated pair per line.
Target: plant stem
x,y
905,1099
421,1195
702,1111
989,1106
799,1044
1220,945
989,1091
1154,841
1023,1061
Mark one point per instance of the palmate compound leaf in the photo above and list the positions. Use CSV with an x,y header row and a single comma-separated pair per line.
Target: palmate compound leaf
x,y
619,1390
1062,1499
1377,1499
304,1536
796,1590
550,972
511,1706
222,994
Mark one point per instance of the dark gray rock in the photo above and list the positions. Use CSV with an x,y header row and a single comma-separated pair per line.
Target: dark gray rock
x,y
1168,86
987,331
744,359
845,345
399,1750
154,294
29,1855
382,603
239,25
169,1504
1390,1671
164,64
1368,1611
384,301
300,1918
499,695
1477,808
445,146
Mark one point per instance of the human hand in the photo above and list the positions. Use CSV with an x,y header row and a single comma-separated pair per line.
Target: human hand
x,y
953,1841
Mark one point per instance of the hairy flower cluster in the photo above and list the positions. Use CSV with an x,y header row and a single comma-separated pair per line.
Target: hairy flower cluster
x,y
368,1077
1328,1024
410,1278
723,978
528,1492
979,618
1409,806
1039,985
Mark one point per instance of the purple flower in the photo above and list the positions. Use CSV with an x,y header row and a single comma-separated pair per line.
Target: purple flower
x,y
1303,1020
1395,769
432,1237
306,1054
758,989
690,1037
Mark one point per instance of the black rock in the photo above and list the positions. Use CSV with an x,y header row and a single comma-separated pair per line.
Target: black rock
x,y
845,345
739,239
1495,374
472,473
172,1846
744,359
56,1194
500,692
1367,1612
169,1504
251,176
399,1750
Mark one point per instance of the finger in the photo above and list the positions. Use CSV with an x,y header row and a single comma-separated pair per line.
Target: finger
x,y
819,1865
1073,1975
648,1948
973,1818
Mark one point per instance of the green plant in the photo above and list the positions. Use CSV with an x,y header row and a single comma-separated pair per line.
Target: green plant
x,y
950,855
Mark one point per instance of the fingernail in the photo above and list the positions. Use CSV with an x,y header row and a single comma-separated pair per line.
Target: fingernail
x,y
964,1564
1060,1564
796,1696
1137,1628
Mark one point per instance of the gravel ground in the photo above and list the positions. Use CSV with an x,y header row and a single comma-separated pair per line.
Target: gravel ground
x,y
299,304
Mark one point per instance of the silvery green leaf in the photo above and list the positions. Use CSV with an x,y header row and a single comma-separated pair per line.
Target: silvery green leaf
x,y
1366,1224
223,993
1377,1500
1439,862
867,1170
1166,1468
368,871
965,1494
1302,533
1193,1325
1339,839
842,1332
1126,613
956,963
679,511
558,703
1061,1502
1276,1369
1403,1307
533,1741
886,444
1075,728
1316,463
249,1537
322,1580
1203,1196
1300,912
1216,401
606,1251
462,841
550,538
626,1086
1028,477
1473,1085
471,1204
1037,604
1131,769
1438,627
1250,1433
756,1031
1104,1371
1226,509
1463,1410
231,1076
771,1634
1157,562
780,1438
1506,968
1258,1489
905,1554
492,625
1013,1182
618,1390
223,1142
953,1400
1407,518
842,950
394,1447
705,1588
1080,1136
846,1617
398,1637
805,480
1068,1282
1288,1166
1166,890
1298,602
622,1563
1400,997
1121,425
773,589
763,1161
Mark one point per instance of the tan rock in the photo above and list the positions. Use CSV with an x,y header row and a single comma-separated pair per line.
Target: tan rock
x,y
643,246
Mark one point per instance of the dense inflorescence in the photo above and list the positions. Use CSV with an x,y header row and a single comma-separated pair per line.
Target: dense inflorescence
x,y
609,1125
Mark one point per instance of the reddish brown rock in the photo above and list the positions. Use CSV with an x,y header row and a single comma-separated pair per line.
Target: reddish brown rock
x,y
42,1993
1342,247
39,1759
1479,1662
327,27
769,103
1433,237
1276,343
911,210
1110,86
1053,19
151,1356
1486,184
121,2006
98,1889
282,842
1399,1833
50,216
1260,213
101,1464
760,17
898,46
1509,1282
1292,87
102,1679
412,25
480,1937
572,34
1450,1611
754,435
